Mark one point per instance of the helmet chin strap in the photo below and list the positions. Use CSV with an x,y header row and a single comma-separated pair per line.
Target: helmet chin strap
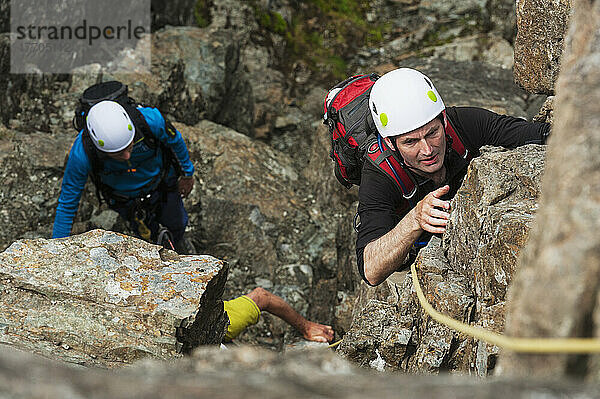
x,y
448,140
397,153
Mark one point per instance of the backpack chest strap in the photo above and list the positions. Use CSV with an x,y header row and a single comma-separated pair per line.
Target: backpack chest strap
x,y
383,158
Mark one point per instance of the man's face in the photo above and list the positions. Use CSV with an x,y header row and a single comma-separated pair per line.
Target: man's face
x,y
424,148
122,155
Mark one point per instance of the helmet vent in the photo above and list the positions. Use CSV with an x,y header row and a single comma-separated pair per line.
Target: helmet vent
x,y
375,109
429,83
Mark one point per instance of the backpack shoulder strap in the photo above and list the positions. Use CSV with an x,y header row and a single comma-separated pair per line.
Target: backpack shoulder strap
x,y
383,158
457,144
141,125
91,153
95,165
169,157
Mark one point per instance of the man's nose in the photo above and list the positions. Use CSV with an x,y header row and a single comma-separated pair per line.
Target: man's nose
x,y
426,148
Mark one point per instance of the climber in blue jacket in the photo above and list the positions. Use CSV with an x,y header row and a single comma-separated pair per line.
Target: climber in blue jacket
x,y
140,166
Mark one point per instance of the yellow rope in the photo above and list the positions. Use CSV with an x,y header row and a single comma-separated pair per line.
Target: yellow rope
x,y
532,345
335,344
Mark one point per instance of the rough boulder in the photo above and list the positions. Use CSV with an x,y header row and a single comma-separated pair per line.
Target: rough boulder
x,y
539,46
555,292
105,299
255,373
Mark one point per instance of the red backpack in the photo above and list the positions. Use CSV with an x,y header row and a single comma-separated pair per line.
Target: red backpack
x,y
350,124
354,137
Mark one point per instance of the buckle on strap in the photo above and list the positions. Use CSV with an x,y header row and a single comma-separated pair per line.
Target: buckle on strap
x,y
356,222
411,194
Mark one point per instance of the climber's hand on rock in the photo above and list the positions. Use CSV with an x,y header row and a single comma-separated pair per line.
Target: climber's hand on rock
x,y
432,213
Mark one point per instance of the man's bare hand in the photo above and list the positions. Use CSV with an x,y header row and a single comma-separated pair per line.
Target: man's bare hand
x,y
317,332
432,213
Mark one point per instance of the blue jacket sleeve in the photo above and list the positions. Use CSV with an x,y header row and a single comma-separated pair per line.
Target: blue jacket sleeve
x,y
75,176
156,122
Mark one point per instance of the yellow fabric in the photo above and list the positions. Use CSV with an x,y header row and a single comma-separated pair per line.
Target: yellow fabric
x,y
242,312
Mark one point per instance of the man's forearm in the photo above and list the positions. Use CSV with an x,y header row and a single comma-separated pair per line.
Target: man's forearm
x,y
280,308
383,256
269,302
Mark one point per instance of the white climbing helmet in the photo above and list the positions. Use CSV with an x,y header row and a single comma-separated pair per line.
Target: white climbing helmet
x,y
403,100
109,126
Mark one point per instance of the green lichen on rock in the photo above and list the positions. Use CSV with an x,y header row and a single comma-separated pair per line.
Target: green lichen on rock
x,y
272,21
322,34
319,34
202,13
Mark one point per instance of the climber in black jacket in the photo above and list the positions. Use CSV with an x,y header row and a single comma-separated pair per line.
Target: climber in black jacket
x,y
410,116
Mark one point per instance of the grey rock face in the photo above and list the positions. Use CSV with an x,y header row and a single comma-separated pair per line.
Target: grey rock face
x,y
561,263
175,13
490,218
465,275
30,173
418,27
232,15
261,53
4,16
395,334
196,75
546,113
105,299
30,101
487,86
256,374
542,25
489,225
491,50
